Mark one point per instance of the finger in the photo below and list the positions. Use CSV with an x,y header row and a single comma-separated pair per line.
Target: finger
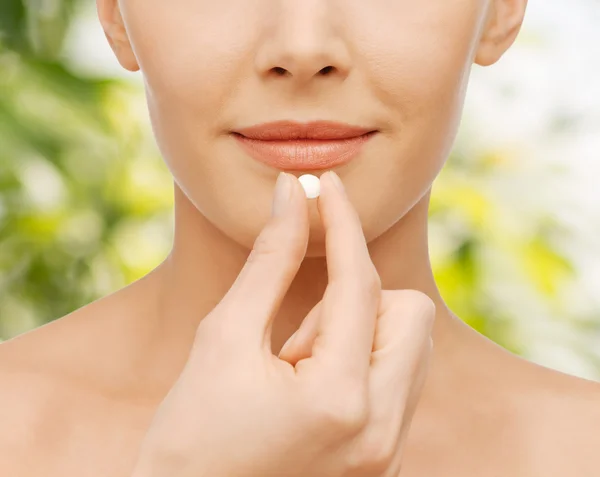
x,y
254,298
403,316
400,359
351,299
403,334
408,416
300,344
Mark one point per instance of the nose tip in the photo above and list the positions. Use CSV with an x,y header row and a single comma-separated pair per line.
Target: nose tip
x,y
304,43
301,66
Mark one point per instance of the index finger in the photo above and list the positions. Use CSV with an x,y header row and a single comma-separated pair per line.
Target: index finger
x,y
351,300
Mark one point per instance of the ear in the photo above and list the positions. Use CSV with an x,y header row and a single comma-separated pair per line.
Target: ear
x,y
111,20
503,23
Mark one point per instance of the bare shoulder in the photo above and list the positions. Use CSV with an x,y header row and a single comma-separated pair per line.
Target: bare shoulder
x,y
41,368
70,397
28,396
81,347
92,350
569,396
48,350
564,412
57,381
34,367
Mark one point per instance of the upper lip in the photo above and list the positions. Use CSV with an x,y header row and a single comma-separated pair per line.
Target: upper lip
x,y
289,130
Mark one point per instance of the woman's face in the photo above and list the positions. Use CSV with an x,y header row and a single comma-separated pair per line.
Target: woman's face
x,y
399,67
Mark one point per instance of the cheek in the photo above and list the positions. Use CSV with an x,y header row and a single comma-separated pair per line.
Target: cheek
x,y
411,65
194,55
419,70
192,61
190,53
419,65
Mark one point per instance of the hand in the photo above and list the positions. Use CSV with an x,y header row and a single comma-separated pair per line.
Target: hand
x,y
339,398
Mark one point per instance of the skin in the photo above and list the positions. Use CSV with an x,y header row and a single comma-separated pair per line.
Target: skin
x,y
78,394
342,410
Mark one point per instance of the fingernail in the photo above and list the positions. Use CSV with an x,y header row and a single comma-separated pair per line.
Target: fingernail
x,y
282,194
338,182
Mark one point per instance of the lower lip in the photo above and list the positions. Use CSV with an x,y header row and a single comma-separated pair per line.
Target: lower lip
x,y
304,154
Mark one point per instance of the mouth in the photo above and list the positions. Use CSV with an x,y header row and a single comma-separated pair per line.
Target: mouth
x,y
290,145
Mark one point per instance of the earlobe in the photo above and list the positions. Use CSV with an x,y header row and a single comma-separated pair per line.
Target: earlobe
x,y
111,20
502,25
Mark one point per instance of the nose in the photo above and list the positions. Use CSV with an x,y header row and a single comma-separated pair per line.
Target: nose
x,y
302,42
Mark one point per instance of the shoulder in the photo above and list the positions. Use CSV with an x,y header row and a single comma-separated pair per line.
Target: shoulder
x,y
33,364
45,352
27,399
568,395
563,416
80,347
40,368
92,352
45,375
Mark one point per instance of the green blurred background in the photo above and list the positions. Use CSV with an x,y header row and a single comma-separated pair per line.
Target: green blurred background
x,y
85,199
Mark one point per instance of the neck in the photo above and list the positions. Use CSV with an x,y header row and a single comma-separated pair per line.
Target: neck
x,y
204,263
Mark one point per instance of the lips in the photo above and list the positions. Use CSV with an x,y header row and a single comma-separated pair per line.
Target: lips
x,y
303,146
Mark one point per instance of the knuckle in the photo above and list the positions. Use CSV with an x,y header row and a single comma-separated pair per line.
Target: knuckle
x,y
341,411
418,305
368,284
205,330
264,246
373,456
422,301
206,342
170,452
213,331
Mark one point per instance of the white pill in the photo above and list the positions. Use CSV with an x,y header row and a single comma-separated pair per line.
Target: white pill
x,y
311,185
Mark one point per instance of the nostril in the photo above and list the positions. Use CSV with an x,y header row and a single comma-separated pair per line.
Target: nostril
x,y
279,71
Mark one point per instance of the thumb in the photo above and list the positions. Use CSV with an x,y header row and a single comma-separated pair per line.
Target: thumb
x,y
247,310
